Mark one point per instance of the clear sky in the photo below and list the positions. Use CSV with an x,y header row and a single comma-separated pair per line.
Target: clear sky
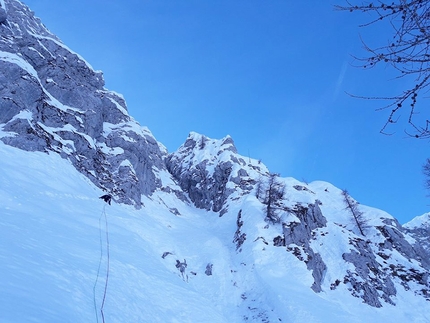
x,y
272,74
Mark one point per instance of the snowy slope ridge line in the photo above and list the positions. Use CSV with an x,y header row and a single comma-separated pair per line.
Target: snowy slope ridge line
x,y
202,234
65,47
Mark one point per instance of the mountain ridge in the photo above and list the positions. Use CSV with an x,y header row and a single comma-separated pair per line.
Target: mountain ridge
x,y
57,102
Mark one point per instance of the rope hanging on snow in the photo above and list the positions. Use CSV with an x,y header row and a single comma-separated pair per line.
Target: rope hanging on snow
x,y
100,263
107,198
107,267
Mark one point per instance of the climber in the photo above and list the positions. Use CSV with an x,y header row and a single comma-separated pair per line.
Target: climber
x,y
107,198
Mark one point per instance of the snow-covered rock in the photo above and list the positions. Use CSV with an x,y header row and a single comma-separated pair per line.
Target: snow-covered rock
x,y
419,229
53,100
203,248
210,171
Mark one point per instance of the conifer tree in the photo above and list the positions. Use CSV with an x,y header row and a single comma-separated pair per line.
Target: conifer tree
x,y
358,216
271,196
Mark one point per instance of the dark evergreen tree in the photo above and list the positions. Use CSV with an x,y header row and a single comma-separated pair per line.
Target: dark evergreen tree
x,y
271,195
358,217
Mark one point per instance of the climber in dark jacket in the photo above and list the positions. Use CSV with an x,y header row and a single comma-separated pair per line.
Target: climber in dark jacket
x,y
107,198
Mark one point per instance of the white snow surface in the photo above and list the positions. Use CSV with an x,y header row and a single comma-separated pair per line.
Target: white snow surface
x,y
419,221
60,246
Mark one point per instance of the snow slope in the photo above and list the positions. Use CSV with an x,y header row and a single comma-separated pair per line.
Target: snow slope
x,y
53,240
50,246
419,221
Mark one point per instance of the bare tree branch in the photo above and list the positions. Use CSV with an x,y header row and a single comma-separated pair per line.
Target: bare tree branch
x,y
408,53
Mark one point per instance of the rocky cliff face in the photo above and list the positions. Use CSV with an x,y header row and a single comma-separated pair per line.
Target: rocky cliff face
x,y
419,229
52,100
210,171
297,237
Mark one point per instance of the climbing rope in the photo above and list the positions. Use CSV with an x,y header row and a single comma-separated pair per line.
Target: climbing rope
x,y
102,215
107,267
100,263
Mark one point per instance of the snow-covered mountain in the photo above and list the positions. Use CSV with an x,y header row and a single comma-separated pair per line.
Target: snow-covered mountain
x,y
419,229
202,234
57,102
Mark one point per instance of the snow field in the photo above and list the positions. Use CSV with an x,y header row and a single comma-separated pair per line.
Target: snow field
x,y
50,249
54,256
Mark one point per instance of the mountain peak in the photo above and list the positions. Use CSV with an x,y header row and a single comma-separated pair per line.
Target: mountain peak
x,y
200,141
419,221
210,170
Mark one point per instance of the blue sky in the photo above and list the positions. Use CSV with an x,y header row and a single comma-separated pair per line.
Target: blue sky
x,y
272,74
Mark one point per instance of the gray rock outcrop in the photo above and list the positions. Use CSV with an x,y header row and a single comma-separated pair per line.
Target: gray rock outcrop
x,y
374,276
53,101
300,234
209,171
419,229
368,279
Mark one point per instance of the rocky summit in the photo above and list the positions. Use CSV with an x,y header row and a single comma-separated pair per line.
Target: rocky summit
x,y
224,238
